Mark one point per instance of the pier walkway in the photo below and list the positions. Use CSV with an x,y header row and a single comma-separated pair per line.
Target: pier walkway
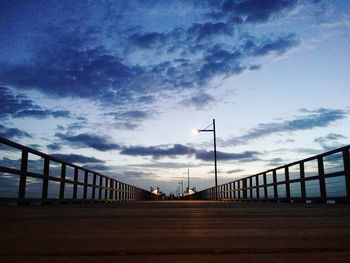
x,y
176,231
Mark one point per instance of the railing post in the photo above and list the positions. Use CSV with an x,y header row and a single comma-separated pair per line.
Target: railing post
x,y
111,192
45,178
275,193
23,177
321,178
346,160
265,187
244,188
63,181
85,184
106,188
257,186
251,187
117,190
93,194
100,188
302,180
286,174
75,186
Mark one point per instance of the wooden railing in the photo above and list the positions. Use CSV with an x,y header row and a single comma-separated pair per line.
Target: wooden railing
x,y
30,176
321,178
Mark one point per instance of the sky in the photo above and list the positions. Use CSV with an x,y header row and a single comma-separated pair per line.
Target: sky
x,y
118,86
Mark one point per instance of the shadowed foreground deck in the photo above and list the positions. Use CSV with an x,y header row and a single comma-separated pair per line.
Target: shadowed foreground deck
x,y
176,232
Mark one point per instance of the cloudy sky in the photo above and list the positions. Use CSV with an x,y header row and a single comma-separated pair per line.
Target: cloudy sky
x,y
117,86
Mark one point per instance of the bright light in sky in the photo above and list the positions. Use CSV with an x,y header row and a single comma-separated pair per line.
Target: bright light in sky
x,y
195,131
123,83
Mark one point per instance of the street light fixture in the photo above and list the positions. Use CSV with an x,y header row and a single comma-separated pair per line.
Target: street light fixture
x,y
197,131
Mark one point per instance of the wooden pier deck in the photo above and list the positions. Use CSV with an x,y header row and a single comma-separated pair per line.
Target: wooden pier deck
x,y
176,231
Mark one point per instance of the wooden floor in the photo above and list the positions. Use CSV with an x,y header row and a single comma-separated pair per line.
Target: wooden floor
x,y
177,231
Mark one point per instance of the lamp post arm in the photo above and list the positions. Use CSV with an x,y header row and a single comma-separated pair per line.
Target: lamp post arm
x,y
206,130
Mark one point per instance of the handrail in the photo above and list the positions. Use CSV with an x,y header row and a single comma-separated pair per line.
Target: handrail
x,y
114,190
322,186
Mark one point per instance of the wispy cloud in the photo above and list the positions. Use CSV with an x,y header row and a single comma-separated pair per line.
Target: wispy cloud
x,y
234,171
130,119
314,119
330,141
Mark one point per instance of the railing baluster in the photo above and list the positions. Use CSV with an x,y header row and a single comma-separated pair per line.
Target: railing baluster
x,y
75,186
346,160
45,179
85,184
302,180
321,178
286,174
93,194
62,181
23,177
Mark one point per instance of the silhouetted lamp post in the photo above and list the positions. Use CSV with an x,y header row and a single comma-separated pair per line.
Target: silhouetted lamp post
x,y
216,172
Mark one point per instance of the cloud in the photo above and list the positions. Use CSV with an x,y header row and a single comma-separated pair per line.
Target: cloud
x,y
76,57
11,133
234,171
205,30
157,152
171,165
89,140
54,146
76,158
253,47
223,156
255,11
42,114
330,141
255,67
314,119
199,101
276,162
280,45
129,119
161,151
20,106
10,104
148,40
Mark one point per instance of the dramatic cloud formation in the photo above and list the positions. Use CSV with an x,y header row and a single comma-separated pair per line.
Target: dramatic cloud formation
x,y
117,79
314,119
76,58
